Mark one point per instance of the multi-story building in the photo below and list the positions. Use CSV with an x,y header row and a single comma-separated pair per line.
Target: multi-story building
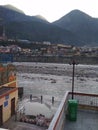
x,y
8,92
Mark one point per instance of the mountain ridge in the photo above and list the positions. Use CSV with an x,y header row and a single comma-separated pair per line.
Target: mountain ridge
x,y
81,24
75,28
8,6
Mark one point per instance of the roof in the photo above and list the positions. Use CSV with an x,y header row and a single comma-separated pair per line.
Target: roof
x,y
86,120
4,90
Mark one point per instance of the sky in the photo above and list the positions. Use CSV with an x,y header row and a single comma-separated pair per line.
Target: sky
x,y
54,9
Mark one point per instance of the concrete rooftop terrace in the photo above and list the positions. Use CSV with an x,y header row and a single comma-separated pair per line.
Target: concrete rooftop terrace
x,y
11,124
86,120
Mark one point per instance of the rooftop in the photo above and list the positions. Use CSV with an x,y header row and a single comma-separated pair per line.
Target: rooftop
x,y
87,115
86,120
3,90
11,124
81,116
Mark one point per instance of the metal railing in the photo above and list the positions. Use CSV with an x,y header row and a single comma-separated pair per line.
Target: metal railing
x,y
59,117
85,101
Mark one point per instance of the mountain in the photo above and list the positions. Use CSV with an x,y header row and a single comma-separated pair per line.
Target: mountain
x,y
9,13
40,17
75,28
81,24
38,31
34,28
13,8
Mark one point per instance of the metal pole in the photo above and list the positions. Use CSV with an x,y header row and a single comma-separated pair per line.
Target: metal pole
x,y
73,79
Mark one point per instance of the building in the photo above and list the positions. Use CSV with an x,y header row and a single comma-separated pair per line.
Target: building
x,y
8,92
2,33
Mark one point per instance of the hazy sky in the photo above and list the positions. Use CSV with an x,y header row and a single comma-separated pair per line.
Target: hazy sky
x,y
54,9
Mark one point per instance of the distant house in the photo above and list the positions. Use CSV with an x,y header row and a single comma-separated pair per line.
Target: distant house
x,y
3,37
8,92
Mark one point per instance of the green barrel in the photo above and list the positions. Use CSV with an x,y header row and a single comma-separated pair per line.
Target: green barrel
x,y
72,109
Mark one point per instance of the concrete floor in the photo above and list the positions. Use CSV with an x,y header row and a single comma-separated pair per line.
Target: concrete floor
x,y
86,120
11,124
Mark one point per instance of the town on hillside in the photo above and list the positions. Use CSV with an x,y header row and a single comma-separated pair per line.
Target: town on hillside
x,y
25,50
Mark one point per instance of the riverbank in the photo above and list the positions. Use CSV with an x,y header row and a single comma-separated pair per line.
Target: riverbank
x,y
85,71
57,59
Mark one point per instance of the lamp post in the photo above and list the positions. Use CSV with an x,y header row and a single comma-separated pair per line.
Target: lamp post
x,y
73,73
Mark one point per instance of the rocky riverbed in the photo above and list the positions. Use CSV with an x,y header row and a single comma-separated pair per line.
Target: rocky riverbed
x,y
57,69
49,79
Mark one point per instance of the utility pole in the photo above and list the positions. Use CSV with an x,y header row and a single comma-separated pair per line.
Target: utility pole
x,y
73,74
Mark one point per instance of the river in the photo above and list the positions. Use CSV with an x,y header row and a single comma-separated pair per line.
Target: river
x,y
53,80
